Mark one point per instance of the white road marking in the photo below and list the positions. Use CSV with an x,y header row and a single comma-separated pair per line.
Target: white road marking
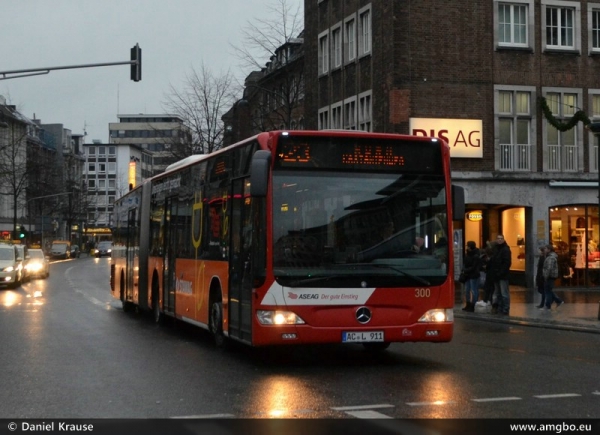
x,y
357,408
556,396
367,414
496,399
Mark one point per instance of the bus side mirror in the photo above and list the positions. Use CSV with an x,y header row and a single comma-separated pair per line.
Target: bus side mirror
x,y
458,202
259,173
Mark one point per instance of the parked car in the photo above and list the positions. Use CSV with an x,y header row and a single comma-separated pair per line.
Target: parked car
x,y
23,253
60,249
11,266
104,249
75,251
38,264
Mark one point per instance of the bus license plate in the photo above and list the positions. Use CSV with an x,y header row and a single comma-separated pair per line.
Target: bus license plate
x,y
362,337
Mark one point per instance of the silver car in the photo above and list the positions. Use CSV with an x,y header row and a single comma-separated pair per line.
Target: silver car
x,y
11,266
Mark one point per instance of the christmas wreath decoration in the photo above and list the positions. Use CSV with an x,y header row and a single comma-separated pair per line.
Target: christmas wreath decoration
x,y
580,115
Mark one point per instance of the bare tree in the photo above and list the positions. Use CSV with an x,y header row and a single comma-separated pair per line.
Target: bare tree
x,y
273,44
200,104
261,37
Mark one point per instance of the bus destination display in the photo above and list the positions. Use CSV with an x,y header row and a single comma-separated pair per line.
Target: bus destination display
x,y
348,153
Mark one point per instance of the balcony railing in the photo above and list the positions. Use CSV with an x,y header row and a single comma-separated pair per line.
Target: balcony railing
x,y
563,158
515,157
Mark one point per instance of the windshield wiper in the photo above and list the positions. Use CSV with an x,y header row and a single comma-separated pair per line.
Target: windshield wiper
x,y
410,275
298,282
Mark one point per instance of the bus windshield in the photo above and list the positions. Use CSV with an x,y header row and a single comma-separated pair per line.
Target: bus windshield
x,y
359,229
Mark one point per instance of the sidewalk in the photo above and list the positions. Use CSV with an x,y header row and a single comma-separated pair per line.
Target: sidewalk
x,y
572,316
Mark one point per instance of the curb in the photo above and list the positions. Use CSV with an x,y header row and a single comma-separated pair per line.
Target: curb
x,y
524,321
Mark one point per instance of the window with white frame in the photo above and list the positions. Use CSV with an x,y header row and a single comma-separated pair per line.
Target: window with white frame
x,y
91,184
562,148
364,31
593,140
561,24
512,24
91,168
324,52
336,115
364,111
324,118
336,46
112,168
350,113
514,116
594,27
350,39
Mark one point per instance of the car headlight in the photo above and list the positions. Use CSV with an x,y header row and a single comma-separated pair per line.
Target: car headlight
x,y
9,269
268,317
438,315
34,267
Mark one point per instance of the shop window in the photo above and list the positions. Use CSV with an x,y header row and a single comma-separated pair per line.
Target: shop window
x,y
513,229
574,232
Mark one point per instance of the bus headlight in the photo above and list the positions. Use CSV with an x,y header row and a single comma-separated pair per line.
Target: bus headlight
x,y
267,317
438,315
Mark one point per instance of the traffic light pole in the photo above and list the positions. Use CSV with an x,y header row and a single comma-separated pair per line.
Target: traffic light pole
x,y
134,62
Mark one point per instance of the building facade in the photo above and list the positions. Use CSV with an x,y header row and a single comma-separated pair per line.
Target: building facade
x,y
157,134
504,82
273,97
111,170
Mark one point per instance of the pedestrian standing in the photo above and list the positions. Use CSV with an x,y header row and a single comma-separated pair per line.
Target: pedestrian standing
x,y
500,264
539,276
550,274
488,287
472,268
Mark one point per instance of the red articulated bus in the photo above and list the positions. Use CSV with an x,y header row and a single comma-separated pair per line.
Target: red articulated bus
x,y
296,237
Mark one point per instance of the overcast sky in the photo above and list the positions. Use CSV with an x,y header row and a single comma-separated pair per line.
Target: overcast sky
x,y
175,36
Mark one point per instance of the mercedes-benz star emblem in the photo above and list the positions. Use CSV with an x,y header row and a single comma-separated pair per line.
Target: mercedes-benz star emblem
x,y
363,315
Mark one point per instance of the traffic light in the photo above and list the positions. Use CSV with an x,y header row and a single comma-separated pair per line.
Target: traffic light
x,y
22,232
136,63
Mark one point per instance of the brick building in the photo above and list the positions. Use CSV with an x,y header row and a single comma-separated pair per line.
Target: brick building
x,y
472,72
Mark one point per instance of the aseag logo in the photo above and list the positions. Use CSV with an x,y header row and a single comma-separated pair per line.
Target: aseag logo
x,y
464,136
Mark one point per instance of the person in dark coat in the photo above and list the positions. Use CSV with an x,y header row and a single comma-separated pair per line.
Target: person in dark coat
x,y
472,268
488,288
539,277
500,264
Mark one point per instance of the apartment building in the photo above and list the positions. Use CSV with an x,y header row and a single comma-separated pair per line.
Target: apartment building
x,y
503,82
158,134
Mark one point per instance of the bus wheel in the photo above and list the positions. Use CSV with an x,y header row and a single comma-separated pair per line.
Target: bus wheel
x,y
127,306
216,323
156,314
376,347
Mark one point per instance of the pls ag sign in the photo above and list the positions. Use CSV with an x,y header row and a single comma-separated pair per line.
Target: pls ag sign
x,y
464,136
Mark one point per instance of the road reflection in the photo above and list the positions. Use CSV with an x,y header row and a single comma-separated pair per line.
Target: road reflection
x,y
28,296
281,396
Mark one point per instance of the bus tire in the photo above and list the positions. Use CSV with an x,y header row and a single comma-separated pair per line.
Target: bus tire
x,y
216,323
127,306
157,315
376,347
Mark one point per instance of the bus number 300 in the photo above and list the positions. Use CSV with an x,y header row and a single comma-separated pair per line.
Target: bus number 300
x,y
422,292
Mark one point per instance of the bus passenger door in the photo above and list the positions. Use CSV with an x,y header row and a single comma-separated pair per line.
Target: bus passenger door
x,y
169,257
131,248
240,276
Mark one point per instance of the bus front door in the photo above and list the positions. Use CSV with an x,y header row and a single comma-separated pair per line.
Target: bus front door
x,y
240,277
